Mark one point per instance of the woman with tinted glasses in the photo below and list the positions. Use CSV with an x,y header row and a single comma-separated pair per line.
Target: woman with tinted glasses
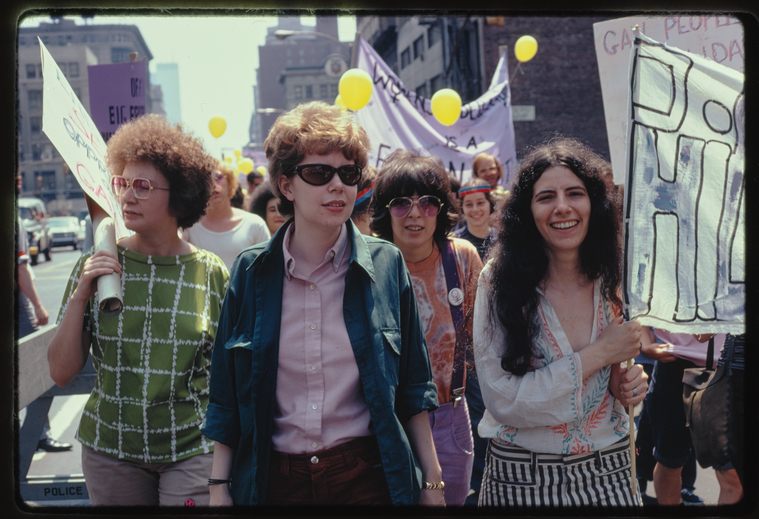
x,y
412,207
321,383
548,340
226,230
140,429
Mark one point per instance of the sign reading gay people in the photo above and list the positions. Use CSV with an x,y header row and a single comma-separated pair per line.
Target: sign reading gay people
x,y
685,217
717,38
399,118
117,94
71,130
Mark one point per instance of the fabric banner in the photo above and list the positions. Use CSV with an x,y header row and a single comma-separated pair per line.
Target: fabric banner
x,y
398,118
117,94
684,209
73,133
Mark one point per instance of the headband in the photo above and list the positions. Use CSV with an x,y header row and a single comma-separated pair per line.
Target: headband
x,y
469,190
365,194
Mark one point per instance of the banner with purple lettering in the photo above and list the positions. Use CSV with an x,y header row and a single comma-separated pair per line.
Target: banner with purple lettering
x,y
684,210
117,94
398,118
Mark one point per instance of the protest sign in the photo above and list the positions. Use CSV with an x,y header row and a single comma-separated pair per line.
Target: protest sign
x,y
117,94
73,133
684,267
717,38
399,118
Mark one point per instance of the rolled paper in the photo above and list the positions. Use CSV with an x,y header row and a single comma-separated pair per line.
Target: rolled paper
x,y
109,285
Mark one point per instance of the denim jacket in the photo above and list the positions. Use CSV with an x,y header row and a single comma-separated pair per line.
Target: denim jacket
x,y
383,327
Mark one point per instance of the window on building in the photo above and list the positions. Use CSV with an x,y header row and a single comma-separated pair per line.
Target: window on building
x,y
70,181
35,124
45,180
31,71
309,92
419,47
436,83
36,151
298,92
333,90
73,69
120,54
405,58
433,35
324,91
64,68
421,90
35,98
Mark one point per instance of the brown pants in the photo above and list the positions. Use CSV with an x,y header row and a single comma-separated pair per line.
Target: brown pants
x,y
348,474
114,482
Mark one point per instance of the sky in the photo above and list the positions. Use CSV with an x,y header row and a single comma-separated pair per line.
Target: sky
x,y
217,57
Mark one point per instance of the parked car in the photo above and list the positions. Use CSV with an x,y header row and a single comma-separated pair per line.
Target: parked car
x,y
65,230
34,215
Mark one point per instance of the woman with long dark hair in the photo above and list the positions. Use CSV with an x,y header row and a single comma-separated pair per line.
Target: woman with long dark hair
x,y
549,337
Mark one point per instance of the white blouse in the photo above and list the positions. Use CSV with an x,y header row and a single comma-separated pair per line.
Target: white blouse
x,y
550,409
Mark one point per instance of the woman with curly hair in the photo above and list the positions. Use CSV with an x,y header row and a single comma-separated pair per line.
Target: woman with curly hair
x,y
140,429
548,340
413,207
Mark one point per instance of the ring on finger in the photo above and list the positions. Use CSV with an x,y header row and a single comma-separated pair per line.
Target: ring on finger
x,y
635,391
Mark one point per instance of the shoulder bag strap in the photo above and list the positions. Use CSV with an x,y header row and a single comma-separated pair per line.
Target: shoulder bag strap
x,y
710,354
455,302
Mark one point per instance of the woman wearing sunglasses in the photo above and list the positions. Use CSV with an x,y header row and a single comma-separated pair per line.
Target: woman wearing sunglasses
x,y
412,208
320,381
140,429
226,230
548,340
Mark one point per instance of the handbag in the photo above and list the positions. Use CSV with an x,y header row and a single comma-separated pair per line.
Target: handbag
x,y
706,396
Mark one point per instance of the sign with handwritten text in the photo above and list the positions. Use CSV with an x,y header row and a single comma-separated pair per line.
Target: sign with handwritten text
x,y
117,94
73,133
716,38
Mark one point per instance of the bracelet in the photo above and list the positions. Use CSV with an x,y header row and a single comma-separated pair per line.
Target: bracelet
x,y
212,481
433,486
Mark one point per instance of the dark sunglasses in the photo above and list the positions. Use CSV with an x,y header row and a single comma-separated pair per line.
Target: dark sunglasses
x,y
320,174
401,206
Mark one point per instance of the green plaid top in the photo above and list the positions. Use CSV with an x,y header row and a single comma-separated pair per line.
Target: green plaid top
x,y
152,359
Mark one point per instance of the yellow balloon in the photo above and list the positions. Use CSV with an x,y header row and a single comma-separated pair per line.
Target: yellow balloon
x,y
228,159
237,153
446,106
355,88
525,48
262,170
217,126
339,102
246,165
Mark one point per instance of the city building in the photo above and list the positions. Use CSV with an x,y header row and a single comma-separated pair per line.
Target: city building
x,y
166,75
296,64
74,47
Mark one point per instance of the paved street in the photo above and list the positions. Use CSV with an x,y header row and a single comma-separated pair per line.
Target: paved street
x,y
51,278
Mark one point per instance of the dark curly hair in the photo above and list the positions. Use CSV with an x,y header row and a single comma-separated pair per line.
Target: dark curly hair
x,y
404,173
520,261
179,156
260,198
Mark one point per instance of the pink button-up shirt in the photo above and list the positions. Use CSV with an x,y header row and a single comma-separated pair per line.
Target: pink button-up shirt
x,y
320,402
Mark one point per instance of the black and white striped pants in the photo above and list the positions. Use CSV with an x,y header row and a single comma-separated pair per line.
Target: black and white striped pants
x,y
518,477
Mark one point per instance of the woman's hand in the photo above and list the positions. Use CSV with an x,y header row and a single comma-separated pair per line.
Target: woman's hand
x,y
629,386
99,264
657,351
220,496
621,340
432,498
